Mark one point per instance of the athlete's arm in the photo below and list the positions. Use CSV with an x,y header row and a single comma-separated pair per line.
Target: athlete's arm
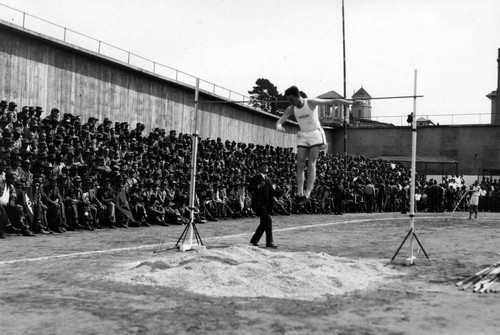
x,y
279,124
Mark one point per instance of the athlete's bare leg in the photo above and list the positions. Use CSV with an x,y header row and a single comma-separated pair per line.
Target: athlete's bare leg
x,y
302,154
311,169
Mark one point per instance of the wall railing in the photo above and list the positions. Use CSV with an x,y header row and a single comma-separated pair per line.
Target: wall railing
x,y
42,26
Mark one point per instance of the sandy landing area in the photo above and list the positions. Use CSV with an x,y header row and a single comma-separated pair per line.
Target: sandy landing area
x,y
245,271
329,275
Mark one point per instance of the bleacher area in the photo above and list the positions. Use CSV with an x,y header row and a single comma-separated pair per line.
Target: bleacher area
x,y
59,172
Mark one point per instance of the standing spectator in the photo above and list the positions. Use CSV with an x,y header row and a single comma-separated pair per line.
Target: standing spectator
x,y
369,195
475,191
338,196
405,197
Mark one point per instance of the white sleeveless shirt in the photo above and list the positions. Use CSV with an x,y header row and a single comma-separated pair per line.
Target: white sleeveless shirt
x,y
307,119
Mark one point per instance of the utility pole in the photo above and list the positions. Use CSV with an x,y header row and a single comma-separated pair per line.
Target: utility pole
x,y
345,95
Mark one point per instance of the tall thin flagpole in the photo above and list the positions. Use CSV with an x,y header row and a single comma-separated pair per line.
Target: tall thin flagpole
x,y
345,94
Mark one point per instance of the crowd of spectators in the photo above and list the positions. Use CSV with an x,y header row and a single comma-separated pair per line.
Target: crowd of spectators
x,y
59,173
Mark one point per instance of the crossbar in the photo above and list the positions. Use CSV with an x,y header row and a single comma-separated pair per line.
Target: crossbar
x,y
248,101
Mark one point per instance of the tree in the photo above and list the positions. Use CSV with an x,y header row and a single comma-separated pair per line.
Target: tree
x,y
265,96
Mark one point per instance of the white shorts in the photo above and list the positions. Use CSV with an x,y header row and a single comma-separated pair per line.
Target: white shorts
x,y
309,139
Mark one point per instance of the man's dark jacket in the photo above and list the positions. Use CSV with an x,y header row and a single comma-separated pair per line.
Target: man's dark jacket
x,y
261,197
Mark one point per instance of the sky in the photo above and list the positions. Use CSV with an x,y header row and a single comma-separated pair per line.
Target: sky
x,y
451,46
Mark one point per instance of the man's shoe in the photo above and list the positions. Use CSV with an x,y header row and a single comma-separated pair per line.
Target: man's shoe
x,y
254,244
271,246
2,235
28,233
10,229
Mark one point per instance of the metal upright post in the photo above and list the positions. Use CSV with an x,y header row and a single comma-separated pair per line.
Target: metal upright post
x,y
411,233
191,231
410,260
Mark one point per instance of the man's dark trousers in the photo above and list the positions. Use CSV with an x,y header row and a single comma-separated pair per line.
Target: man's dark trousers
x,y
266,225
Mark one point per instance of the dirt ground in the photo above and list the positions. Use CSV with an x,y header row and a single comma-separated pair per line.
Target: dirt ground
x,y
52,284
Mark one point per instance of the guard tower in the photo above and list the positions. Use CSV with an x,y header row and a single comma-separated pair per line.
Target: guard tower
x,y
495,97
362,108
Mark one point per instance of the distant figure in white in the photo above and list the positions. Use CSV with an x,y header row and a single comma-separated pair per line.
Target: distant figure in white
x,y
475,191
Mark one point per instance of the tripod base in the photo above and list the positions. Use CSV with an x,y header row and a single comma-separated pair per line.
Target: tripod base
x,y
190,246
186,247
409,261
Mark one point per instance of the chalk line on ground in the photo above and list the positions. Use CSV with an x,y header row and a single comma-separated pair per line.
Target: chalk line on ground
x,y
85,253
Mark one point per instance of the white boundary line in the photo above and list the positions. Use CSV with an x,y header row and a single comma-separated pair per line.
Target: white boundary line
x,y
85,253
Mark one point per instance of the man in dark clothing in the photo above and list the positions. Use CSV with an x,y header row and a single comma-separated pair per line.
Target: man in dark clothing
x,y
262,191
338,196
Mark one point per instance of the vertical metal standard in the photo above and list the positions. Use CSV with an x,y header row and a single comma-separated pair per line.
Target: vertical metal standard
x,y
194,154
410,260
411,233
344,107
191,228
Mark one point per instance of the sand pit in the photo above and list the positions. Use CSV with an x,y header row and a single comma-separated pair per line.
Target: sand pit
x,y
245,271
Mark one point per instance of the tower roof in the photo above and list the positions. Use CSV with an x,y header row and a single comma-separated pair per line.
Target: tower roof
x,y
330,95
492,95
361,94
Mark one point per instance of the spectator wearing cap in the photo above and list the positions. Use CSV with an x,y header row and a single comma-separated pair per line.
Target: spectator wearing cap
x,y
25,176
124,217
138,210
16,135
12,106
54,115
38,112
106,196
53,199
74,205
155,211
98,209
38,219
15,207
